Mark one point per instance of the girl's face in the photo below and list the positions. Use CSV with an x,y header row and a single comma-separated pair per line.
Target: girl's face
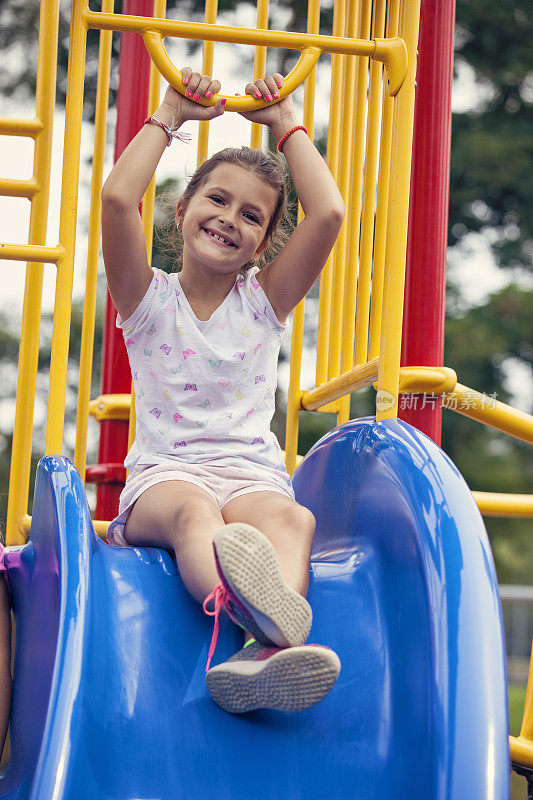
x,y
225,222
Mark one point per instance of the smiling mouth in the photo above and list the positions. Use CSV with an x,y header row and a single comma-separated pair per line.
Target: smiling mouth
x,y
218,238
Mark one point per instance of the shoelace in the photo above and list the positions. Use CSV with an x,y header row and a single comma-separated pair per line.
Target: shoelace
x,y
220,596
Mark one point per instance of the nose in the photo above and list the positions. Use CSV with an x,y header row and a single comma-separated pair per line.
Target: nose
x,y
228,218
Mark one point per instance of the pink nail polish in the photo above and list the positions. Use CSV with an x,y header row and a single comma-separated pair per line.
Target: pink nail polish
x,y
223,101
208,94
185,81
276,94
189,94
268,98
258,94
279,85
196,97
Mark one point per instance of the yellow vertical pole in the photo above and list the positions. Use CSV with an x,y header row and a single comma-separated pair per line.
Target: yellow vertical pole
x,y
298,314
19,477
89,305
346,94
211,10
67,232
356,154
259,69
369,195
332,157
380,233
391,327
148,203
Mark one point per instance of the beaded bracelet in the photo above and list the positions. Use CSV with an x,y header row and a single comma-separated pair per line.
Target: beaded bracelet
x,y
286,135
172,131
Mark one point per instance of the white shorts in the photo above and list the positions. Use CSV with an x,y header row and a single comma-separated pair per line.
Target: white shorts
x,y
223,483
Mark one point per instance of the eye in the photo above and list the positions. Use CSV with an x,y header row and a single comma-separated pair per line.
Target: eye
x,y
216,198
251,216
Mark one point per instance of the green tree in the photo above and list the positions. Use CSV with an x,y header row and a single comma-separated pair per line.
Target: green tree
x,y
492,144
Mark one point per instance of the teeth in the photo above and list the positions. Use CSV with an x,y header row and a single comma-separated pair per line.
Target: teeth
x,y
220,238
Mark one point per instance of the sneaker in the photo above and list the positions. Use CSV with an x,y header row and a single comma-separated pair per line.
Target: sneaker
x,y
285,679
253,591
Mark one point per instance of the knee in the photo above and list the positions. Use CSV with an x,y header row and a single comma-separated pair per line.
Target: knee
x,y
301,519
192,512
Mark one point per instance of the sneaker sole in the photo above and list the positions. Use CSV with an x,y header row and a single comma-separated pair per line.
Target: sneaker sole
x,y
250,568
292,680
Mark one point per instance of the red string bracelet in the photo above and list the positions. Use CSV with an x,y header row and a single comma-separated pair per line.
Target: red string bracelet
x,y
286,135
171,131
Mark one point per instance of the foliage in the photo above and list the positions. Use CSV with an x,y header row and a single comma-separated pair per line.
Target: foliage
x,y
492,146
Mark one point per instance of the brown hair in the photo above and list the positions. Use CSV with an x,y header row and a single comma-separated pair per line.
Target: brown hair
x,y
270,169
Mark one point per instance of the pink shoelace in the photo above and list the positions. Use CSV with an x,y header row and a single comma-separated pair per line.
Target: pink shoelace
x,y
219,595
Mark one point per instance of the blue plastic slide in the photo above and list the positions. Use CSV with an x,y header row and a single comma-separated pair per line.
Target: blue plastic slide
x,y
110,700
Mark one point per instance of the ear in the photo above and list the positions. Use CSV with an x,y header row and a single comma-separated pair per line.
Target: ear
x,y
180,213
263,246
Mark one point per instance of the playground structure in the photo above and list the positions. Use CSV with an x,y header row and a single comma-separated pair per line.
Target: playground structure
x,y
101,706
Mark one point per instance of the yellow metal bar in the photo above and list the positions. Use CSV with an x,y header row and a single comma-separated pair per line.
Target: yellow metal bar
x,y
211,10
521,750
298,314
495,504
434,380
332,158
234,35
392,52
259,69
11,187
148,202
522,746
490,412
41,129
380,228
293,80
390,344
346,98
348,280
110,406
31,253
360,376
369,197
67,233
89,305
16,126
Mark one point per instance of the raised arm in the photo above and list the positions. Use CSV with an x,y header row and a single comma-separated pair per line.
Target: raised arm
x,y
289,277
123,244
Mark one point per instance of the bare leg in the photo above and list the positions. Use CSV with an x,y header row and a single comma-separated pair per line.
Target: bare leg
x,y
182,517
5,661
289,526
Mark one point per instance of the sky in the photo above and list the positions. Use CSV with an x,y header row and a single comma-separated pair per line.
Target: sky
x,y
472,266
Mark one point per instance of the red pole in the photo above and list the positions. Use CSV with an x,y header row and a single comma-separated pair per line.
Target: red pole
x,y
425,289
132,103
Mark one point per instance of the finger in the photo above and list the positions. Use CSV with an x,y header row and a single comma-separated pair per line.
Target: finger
x,y
216,110
186,73
278,77
192,86
272,86
201,89
263,88
212,89
252,89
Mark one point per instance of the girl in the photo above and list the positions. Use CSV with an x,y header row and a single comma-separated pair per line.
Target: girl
x,y
207,478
